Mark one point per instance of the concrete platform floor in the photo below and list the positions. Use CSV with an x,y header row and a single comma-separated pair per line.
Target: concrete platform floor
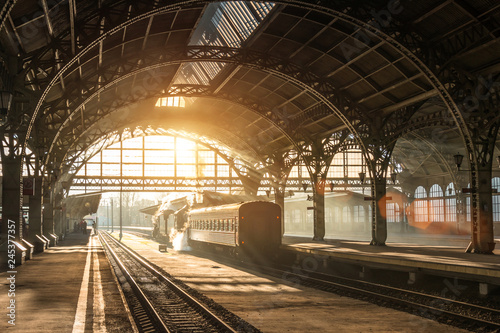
x,y
67,288
272,306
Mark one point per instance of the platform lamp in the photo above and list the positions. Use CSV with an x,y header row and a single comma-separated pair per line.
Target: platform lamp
x,y
5,103
362,176
458,160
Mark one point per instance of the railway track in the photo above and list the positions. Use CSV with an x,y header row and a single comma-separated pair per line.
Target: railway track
x,y
453,312
157,303
446,310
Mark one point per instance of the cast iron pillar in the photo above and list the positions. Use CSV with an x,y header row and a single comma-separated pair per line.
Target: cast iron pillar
x,y
483,240
318,156
319,209
279,198
379,220
35,211
56,213
11,196
48,215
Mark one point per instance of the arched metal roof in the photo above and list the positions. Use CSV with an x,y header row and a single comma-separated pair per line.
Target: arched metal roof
x,y
263,77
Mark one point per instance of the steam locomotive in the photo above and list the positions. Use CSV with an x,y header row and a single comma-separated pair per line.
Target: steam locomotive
x,y
246,230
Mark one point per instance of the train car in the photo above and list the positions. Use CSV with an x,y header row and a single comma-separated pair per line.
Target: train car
x,y
249,229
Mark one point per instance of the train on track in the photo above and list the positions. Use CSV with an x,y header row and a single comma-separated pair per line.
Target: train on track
x,y
248,229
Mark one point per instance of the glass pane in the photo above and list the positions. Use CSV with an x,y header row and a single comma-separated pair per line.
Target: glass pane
x,y
93,169
186,156
206,157
207,170
132,156
159,156
186,171
159,142
159,170
223,170
111,156
132,170
111,170
132,143
96,158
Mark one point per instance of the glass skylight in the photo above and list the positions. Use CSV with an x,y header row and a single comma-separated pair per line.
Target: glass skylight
x,y
226,24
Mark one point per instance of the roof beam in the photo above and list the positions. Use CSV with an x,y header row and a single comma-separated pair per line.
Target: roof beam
x,y
72,17
431,12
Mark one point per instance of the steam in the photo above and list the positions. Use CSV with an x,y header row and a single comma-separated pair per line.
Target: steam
x,y
178,238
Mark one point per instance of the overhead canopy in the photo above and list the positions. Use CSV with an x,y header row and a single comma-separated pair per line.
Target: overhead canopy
x,y
80,206
259,77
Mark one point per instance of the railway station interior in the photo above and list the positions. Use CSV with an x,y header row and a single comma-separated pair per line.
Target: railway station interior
x,y
371,126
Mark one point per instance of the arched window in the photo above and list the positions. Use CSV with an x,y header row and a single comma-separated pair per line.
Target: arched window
x,y
436,211
467,206
495,184
450,203
420,206
359,214
346,215
392,211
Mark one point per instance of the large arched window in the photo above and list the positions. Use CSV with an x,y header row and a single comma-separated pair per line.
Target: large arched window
x,y
392,211
420,205
436,210
167,163
346,164
495,185
450,204
359,214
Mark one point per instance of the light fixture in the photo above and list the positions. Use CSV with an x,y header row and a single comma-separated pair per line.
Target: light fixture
x,y
458,159
304,186
5,102
268,192
393,177
362,176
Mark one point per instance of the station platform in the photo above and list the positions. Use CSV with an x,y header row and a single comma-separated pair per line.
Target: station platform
x,y
69,287
273,306
408,255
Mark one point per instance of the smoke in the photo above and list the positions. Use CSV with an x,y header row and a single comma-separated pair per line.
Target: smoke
x,y
179,241
177,237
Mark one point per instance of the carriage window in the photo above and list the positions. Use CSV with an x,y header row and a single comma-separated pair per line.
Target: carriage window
x,y
231,225
226,225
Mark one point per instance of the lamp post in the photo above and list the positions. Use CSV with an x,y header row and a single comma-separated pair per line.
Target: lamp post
x,y
121,204
112,219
